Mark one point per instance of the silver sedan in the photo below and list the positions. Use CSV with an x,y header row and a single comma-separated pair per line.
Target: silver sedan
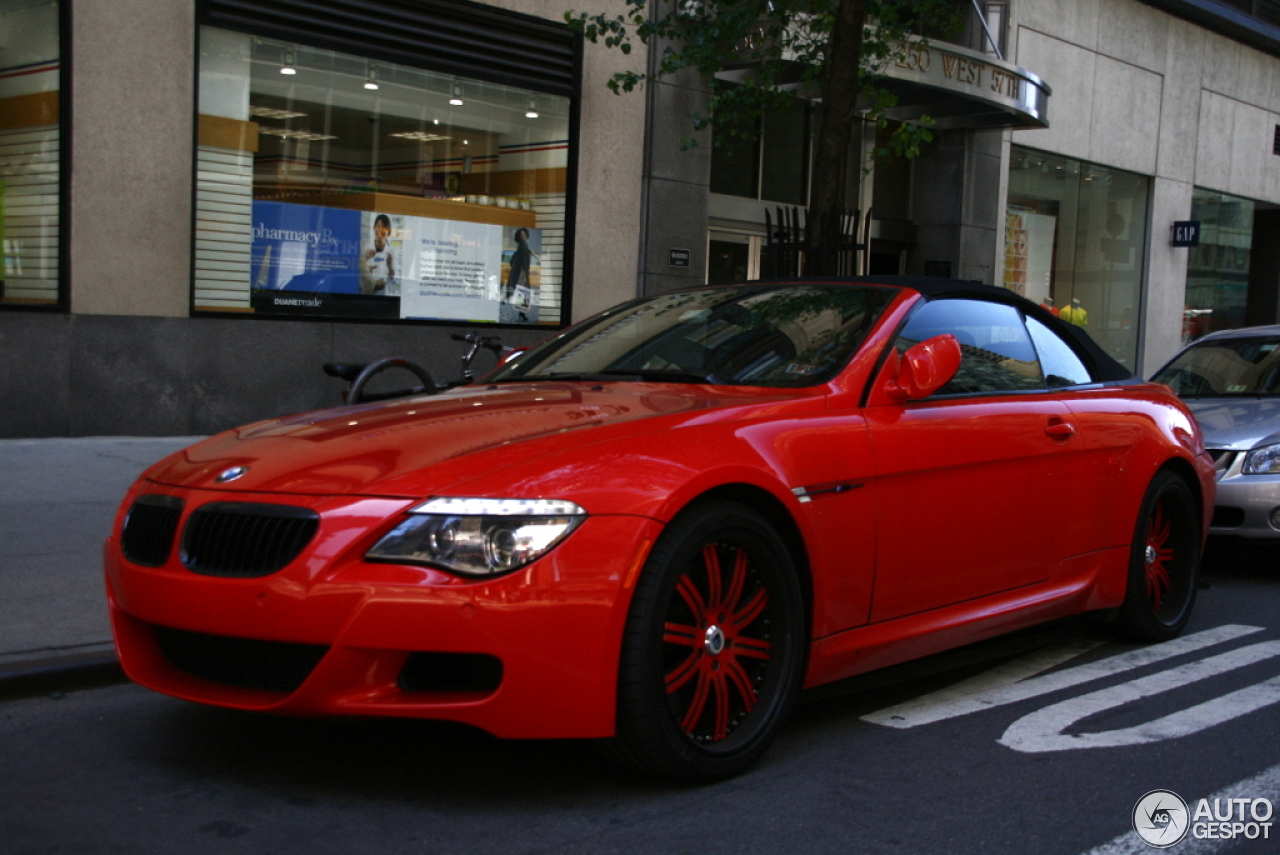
x,y
1231,382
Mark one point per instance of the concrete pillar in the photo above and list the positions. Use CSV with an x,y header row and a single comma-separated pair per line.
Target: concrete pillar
x,y
132,93
676,186
956,207
1166,276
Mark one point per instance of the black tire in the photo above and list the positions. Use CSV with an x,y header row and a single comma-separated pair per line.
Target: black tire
x,y
714,648
1164,562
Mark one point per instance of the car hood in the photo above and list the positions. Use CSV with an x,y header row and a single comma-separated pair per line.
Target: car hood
x,y
1236,424
417,446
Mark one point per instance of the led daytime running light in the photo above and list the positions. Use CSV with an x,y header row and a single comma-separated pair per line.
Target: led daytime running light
x,y
476,507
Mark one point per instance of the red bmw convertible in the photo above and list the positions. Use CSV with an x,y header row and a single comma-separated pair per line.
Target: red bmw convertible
x,y
658,526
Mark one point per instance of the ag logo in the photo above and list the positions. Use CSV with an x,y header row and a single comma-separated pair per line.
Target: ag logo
x,y
1160,818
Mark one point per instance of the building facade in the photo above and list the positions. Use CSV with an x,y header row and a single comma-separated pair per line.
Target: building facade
x,y
1151,113
204,200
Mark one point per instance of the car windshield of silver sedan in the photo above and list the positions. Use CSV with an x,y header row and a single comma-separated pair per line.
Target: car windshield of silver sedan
x,y
1226,367
780,336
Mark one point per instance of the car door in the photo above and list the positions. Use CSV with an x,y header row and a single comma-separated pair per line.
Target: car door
x,y
977,489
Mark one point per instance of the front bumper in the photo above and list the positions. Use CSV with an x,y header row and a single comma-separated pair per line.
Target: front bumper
x,y
555,626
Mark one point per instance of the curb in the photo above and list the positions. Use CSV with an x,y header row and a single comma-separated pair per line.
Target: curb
x,y
60,675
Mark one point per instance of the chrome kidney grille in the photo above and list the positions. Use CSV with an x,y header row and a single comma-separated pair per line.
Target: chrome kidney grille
x,y
245,539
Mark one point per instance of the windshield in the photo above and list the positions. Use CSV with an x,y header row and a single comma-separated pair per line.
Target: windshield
x,y
775,335
1227,367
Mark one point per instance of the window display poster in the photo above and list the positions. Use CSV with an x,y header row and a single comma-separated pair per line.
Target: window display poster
x,y
305,248
521,274
1040,230
4,246
452,271
470,271
431,268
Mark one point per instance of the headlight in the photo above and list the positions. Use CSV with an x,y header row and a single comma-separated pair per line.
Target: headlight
x,y
478,537
1263,461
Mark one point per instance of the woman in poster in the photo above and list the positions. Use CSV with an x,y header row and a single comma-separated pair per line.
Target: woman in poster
x,y
520,262
377,266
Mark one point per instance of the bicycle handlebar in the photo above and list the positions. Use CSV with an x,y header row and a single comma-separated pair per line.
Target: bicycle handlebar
x,y
489,342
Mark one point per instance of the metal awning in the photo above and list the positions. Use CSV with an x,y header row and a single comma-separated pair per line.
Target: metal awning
x,y
961,88
955,87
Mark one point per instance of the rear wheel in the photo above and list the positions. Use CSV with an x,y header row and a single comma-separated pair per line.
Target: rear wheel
x,y
713,653
357,394
1164,564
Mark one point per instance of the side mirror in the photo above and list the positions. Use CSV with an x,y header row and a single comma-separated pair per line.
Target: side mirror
x,y
924,369
511,355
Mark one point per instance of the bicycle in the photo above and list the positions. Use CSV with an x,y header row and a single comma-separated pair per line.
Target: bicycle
x,y
358,375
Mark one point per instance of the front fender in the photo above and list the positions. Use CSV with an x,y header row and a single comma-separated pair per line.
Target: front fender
x,y
816,466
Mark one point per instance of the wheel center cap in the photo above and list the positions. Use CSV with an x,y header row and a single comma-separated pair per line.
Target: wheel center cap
x,y
1151,554
714,640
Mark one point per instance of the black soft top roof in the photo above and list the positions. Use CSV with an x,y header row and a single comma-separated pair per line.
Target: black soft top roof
x,y
1104,367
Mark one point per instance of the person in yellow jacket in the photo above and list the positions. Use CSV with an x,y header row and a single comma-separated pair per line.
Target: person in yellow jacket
x,y
1075,314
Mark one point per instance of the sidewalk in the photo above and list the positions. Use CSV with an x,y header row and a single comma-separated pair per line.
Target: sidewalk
x,y
58,499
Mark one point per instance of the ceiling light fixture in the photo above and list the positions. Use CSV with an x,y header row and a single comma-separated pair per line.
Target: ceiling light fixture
x,y
420,136
456,100
272,113
291,134
532,112
290,60
371,78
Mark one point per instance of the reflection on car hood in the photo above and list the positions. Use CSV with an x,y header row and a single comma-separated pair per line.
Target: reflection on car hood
x,y
415,446
1236,424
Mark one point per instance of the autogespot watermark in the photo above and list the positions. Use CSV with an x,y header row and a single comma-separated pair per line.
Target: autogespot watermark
x,y
1162,818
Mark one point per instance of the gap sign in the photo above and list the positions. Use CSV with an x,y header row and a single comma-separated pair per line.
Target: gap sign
x,y
1186,233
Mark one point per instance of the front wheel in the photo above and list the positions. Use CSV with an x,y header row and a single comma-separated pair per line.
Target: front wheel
x,y
714,649
1164,564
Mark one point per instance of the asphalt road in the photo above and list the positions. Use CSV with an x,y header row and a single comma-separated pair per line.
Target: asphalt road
x,y
1039,743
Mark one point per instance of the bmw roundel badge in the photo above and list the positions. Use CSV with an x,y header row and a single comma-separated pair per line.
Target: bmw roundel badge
x,y
231,474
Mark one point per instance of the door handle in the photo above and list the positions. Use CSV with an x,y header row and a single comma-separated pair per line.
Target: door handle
x,y
1060,429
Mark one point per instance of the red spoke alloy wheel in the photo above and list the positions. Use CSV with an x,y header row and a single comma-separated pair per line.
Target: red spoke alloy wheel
x,y
717,640
1159,555
1164,564
714,648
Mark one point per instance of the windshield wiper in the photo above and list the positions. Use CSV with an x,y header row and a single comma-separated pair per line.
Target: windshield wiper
x,y
589,376
623,376
675,377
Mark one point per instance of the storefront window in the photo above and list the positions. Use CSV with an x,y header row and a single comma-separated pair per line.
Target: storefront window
x,y
30,152
337,185
769,161
1218,269
1075,241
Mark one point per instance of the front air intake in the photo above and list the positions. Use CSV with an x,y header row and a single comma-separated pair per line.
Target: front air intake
x,y
268,666
451,672
245,539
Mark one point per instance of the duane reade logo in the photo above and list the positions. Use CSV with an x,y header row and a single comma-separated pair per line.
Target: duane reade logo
x,y
1160,818
311,238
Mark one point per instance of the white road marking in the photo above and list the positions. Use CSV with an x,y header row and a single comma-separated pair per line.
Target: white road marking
x,y
1008,684
1043,729
1264,785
